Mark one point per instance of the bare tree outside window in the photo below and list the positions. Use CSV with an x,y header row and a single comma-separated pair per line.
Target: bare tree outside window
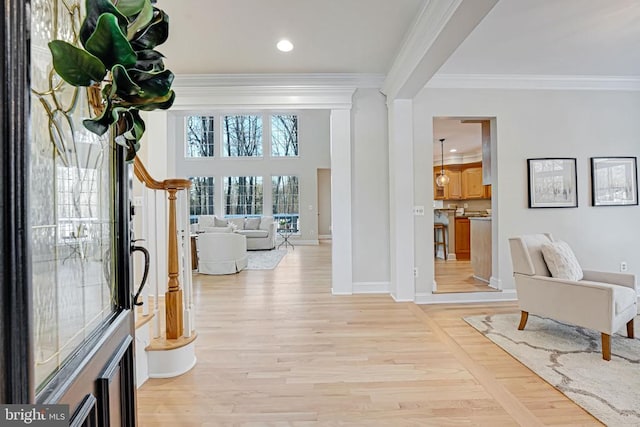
x,y
201,195
242,136
286,194
243,195
200,136
284,135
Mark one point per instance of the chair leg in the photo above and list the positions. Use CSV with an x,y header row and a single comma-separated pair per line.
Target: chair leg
x,y
630,328
606,346
524,316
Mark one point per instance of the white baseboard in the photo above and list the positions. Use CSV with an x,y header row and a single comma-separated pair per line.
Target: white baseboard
x,y
324,237
482,280
451,257
466,297
495,283
371,287
304,242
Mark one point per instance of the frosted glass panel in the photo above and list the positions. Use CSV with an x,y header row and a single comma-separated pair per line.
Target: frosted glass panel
x,y
71,202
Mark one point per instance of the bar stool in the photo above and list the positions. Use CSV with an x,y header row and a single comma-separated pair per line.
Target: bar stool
x,y
439,229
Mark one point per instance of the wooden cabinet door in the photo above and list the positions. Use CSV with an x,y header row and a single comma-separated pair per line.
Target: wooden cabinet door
x,y
472,187
463,239
487,191
454,189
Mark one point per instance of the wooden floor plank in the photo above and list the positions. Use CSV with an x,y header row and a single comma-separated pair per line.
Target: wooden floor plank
x,y
276,348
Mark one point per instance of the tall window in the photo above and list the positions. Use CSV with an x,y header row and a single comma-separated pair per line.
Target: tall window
x,y
286,206
243,195
242,136
200,136
284,135
202,195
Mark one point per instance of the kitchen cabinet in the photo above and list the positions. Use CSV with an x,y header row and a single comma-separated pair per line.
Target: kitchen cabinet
x,y
465,182
451,191
463,239
472,187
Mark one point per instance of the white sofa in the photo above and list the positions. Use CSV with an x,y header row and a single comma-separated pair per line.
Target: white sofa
x,y
221,253
260,232
601,301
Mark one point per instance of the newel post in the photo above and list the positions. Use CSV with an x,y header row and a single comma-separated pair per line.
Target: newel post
x,y
173,296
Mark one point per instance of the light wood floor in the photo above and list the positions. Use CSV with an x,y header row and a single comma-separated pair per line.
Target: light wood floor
x,y
275,348
457,276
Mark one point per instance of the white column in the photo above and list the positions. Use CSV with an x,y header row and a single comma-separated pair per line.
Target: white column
x,y
342,277
401,199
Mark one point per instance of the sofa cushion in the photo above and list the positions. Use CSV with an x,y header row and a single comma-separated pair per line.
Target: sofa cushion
x,y
561,261
208,221
227,229
252,223
238,222
265,223
220,222
253,233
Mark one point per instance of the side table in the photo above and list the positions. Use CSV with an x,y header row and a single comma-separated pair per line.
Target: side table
x,y
285,233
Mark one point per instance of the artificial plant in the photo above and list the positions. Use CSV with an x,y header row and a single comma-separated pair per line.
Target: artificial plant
x,y
119,59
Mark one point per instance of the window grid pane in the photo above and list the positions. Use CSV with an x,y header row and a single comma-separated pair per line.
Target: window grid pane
x,y
243,195
202,195
284,135
242,136
286,206
200,136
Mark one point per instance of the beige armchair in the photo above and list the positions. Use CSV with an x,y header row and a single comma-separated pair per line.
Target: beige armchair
x,y
221,253
601,301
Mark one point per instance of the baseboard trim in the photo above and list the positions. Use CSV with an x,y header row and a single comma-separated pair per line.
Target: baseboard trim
x,y
481,279
324,237
371,287
466,297
495,283
451,257
304,242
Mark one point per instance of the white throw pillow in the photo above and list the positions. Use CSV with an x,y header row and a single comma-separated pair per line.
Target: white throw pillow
x,y
217,222
238,222
561,261
252,223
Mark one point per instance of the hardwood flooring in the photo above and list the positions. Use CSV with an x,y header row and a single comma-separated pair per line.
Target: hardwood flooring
x,y
457,276
275,348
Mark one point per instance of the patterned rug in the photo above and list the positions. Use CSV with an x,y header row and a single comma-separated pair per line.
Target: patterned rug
x,y
265,260
569,358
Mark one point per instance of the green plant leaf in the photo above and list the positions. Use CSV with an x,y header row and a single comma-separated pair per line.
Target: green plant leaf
x,y
130,7
123,86
149,60
142,20
152,84
76,66
150,104
100,125
109,43
95,8
155,34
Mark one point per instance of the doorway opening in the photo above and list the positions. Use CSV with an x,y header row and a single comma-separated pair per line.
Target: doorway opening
x,y
464,219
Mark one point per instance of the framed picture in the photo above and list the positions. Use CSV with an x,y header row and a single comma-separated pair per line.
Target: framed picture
x,y
614,181
552,183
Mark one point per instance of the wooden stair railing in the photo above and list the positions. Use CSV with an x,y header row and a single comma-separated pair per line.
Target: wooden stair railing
x,y
173,296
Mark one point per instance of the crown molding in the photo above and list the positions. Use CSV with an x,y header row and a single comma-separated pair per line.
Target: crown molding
x,y
534,82
351,80
263,97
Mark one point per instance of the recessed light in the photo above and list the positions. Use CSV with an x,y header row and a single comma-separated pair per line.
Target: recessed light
x,y
285,45
453,150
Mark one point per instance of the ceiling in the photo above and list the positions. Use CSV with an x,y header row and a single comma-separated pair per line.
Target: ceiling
x,y
553,37
466,138
330,36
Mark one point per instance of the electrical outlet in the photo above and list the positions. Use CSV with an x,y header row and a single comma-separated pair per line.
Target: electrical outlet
x,y
418,210
623,266
415,271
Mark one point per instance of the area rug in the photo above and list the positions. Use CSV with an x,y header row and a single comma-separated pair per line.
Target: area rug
x,y
569,358
265,260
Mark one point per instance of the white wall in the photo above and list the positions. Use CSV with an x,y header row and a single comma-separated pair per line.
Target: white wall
x,y
324,202
370,189
313,132
531,124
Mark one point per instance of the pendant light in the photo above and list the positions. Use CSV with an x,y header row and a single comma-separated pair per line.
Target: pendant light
x,y
442,179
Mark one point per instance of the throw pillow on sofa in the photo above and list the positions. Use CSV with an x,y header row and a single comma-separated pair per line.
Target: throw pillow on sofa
x,y
252,224
561,261
217,222
238,222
